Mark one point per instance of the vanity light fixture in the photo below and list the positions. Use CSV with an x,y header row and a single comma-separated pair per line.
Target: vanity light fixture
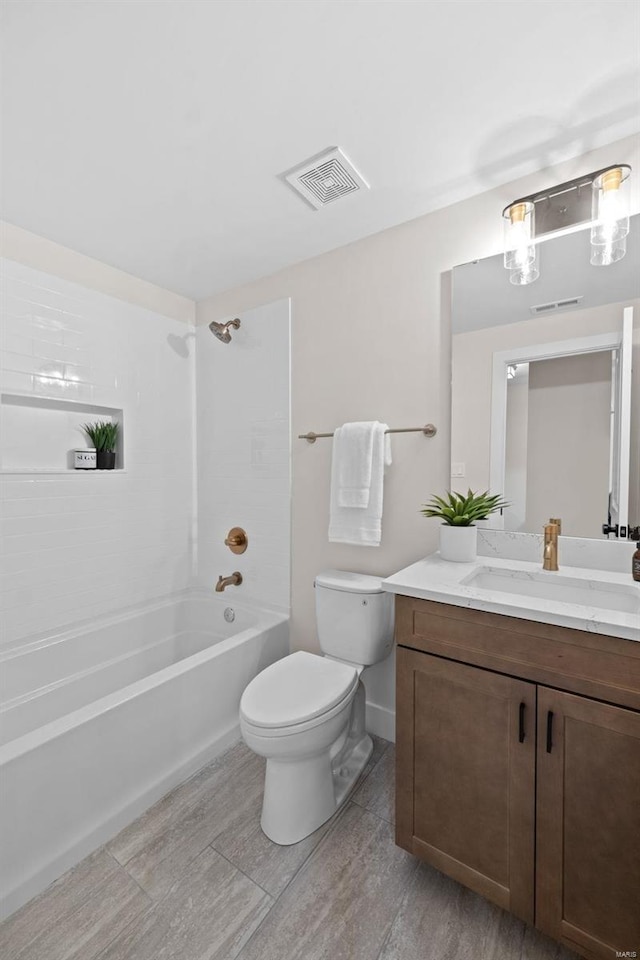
x,y
599,200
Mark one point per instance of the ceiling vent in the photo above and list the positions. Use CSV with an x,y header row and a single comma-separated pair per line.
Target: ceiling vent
x,y
555,305
326,177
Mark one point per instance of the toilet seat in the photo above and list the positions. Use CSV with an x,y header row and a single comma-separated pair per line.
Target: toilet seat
x,y
296,693
292,731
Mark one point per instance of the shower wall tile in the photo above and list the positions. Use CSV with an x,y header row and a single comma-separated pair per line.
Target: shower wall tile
x,y
76,546
243,443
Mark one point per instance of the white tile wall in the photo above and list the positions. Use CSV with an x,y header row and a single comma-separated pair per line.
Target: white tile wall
x,y
76,546
243,443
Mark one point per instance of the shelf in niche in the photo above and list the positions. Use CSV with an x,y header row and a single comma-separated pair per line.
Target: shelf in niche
x,y
40,434
69,472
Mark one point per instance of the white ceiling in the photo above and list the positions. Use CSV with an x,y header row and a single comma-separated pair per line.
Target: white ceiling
x,y
150,133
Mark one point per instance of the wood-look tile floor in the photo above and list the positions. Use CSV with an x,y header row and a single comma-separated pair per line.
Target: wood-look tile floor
x,y
194,878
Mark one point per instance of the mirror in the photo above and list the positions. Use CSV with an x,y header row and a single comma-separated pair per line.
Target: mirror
x,y
546,389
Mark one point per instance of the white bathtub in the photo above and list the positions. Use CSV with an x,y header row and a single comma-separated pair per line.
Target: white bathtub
x,y
96,724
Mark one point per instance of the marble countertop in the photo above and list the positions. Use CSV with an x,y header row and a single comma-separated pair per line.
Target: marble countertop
x,y
444,582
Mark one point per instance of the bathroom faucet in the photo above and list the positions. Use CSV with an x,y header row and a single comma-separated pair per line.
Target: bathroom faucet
x,y
235,579
550,555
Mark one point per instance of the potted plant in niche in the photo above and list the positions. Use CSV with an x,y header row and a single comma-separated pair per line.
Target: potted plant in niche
x,y
459,513
104,436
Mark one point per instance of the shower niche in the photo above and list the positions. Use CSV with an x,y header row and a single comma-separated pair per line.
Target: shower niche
x,y
40,434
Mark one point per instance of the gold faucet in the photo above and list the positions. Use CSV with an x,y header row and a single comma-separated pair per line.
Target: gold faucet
x,y
235,579
550,555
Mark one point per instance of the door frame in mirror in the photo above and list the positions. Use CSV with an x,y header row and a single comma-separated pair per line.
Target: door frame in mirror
x,y
501,361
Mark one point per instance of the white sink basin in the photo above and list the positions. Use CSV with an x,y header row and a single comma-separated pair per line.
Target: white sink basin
x,y
624,598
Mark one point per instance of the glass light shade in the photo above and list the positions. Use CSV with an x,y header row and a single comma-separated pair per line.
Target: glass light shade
x,y
610,213
521,276
604,254
519,234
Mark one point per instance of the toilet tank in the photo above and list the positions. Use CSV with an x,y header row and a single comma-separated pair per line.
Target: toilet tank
x,y
354,617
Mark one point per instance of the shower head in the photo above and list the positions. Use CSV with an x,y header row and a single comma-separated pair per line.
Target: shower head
x,y
221,330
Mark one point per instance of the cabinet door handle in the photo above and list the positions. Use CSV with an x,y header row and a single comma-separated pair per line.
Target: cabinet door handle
x,y
521,723
549,730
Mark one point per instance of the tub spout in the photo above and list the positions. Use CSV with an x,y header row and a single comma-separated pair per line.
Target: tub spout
x,y
223,582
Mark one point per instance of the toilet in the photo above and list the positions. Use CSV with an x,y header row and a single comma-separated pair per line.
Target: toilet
x,y
306,713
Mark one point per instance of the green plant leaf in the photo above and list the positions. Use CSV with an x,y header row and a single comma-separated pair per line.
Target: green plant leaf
x,y
103,434
462,510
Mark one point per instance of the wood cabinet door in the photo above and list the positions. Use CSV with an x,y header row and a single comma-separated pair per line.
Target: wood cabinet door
x,y
465,776
588,828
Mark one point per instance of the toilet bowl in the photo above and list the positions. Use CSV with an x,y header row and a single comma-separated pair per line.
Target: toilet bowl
x,y
306,713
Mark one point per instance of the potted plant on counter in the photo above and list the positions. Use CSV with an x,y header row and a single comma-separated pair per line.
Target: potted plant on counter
x,y
104,436
459,513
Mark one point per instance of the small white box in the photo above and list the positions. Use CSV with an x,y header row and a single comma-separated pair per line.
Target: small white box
x,y
85,459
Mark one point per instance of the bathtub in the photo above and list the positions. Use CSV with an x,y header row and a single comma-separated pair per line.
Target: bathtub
x,y
99,722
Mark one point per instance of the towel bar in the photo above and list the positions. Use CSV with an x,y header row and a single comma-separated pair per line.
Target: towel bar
x,y
428,430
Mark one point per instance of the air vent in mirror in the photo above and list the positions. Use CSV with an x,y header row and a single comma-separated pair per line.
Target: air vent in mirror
x,y
556,305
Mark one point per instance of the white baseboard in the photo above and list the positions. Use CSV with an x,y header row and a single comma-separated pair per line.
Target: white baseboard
x,y
108,829
381,721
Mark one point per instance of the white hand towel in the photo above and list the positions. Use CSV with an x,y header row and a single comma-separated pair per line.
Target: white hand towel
x,y
353,449
361,526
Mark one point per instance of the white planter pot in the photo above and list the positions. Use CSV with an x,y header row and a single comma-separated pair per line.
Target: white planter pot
x,y
459,544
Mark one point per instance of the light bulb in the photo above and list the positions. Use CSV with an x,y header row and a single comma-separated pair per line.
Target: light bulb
x,y
521,248
612,212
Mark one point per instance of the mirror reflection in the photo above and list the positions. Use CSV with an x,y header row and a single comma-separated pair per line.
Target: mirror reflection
x,y
546,389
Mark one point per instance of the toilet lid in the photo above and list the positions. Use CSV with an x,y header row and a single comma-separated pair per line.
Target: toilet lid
x,y
349,582
297,688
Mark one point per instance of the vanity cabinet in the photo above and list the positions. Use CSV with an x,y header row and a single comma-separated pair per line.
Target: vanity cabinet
x,y
588,823
470,808
518,767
